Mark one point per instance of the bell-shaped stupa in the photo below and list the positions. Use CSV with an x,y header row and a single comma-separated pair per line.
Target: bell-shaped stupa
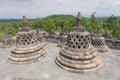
x,y
63,38
78,55
52,37
27,48
7,41
99,42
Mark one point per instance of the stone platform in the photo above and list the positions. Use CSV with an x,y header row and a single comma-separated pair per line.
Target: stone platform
x,y
46,69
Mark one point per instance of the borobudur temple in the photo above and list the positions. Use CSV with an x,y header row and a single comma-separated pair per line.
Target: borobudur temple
x,y
98,41
28,48
78,55
7,41
63,38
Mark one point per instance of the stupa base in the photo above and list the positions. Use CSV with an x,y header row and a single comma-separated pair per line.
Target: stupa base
x,y
26,59
103,49
80,70
20,56
79,62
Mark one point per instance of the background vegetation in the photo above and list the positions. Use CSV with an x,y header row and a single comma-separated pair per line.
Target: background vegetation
x,y
66,22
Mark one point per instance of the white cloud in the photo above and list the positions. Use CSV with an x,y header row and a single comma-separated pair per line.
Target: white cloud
x,y
42,8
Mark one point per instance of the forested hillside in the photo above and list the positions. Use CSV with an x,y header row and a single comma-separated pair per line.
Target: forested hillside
x,y
66,22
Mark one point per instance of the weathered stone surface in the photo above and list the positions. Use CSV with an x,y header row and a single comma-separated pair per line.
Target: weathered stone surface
x,y
110,41
78,55
39,35
63,38
28,48
115,44
46,69
99,42
7,41
52,37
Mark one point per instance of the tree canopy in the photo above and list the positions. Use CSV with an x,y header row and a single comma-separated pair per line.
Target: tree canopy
x,y
66,22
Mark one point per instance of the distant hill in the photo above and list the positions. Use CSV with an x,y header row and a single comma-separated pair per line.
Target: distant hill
x,y
61,16
55,17
13,20
9,20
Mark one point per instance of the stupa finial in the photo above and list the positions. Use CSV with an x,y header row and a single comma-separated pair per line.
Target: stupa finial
x,y
25,23
79,27
79,19
98,30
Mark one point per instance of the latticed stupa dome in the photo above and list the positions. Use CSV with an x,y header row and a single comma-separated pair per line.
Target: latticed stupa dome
x,y
78,55
28,48
99,42
8,41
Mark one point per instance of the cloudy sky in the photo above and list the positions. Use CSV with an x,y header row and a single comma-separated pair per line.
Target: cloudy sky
x,y
43,8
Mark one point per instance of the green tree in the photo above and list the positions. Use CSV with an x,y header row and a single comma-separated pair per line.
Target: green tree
x,y
93,23
49,24
38,23
66,26
113,26
85,23
1,36
11,30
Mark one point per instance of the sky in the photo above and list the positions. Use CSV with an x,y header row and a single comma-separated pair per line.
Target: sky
x,y
42,8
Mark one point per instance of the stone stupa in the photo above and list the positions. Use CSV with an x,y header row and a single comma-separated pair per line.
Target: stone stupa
x,y
78,55
39,34
108,38
28,48
7,41
99,42
63,38
52,37
107,35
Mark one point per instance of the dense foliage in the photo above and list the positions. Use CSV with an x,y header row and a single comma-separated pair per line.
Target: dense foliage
x,y
66,22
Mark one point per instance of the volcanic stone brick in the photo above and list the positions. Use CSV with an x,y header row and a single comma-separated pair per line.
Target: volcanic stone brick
x,y
52,37
27,48
39,35
8,41
63,38
115,44
78,55
99,42
108,38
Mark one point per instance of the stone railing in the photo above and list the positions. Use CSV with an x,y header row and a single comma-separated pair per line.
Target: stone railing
x,y
52,38
113,43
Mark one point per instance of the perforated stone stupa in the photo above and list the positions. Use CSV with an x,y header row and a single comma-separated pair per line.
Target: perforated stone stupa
x,y
39,35
52,37
99,42
108,38
78,55
8,41
27,48
63,38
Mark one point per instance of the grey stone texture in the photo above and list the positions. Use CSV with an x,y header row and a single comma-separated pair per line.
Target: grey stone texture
x,y
78,55
110,41
28,48
46,69
8,41
52,37
63,38
98,41
39,35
